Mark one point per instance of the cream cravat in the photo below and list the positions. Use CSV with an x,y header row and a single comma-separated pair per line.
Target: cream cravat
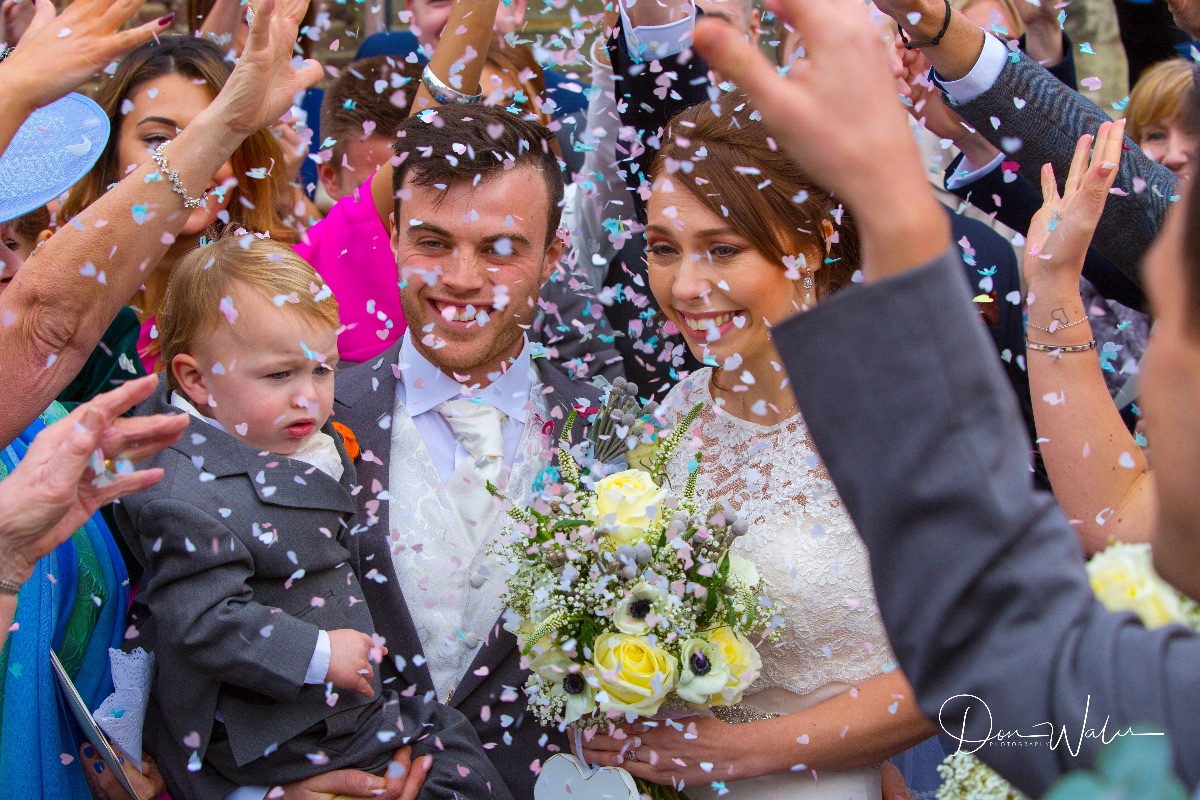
x,y
477,426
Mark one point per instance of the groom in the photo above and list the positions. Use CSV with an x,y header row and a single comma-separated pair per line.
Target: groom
x,y
462,399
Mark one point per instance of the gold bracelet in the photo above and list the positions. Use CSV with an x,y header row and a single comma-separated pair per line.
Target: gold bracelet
x,y
1060,348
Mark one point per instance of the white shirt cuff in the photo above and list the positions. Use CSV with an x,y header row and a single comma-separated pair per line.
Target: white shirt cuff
x,y
967,173
982,76
653,42
248,793
318,667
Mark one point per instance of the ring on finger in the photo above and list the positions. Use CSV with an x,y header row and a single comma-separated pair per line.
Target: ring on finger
x,y
633,754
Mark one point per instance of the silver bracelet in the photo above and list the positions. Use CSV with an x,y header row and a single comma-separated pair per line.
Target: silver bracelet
x,y
1059,327
8,587
444,94
173,177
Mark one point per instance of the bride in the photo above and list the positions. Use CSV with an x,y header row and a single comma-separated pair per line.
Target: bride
x,y
738,240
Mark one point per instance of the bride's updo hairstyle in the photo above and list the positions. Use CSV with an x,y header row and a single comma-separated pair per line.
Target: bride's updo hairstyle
x,y
722,154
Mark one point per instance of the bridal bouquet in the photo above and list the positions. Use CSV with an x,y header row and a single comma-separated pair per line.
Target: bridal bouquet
x,y
625,597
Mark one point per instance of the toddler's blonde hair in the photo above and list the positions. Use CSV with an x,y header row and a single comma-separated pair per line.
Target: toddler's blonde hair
x,y
229,266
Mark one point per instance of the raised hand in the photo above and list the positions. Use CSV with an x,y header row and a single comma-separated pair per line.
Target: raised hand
x,y
265,80
837,116
62,479
1062,228
351,654
79,42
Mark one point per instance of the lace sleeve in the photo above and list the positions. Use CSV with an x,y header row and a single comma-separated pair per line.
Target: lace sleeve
x,y
811,558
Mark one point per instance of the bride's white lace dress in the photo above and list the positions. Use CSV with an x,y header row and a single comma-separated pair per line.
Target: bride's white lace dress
x,y
812,562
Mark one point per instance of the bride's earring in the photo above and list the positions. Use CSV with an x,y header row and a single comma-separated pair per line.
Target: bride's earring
x,y
808,285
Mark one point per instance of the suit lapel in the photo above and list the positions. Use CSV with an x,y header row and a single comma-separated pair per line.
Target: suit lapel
x,y
496,649
564,395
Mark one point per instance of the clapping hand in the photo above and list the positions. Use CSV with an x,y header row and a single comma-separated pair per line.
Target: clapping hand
x,y
1062,229
62,480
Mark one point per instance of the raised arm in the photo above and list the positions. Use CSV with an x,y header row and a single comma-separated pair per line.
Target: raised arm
x,y
63,299
1100,476
1019,106
979,578
79,42
458,62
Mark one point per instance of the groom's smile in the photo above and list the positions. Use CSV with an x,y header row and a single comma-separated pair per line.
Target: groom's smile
x,y
472,263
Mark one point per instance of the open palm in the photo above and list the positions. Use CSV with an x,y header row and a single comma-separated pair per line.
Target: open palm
x,y
266,80
1062,229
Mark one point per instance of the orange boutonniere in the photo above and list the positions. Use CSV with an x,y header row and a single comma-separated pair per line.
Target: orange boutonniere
x,y
349,441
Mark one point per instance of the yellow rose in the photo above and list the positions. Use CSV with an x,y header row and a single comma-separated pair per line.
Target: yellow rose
x,y
629,502
642,456
1123,579
634,675
743,662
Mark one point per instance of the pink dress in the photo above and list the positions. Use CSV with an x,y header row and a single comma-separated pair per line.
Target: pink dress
x,y
350,249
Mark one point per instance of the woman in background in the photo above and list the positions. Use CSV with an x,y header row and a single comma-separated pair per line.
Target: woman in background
x,y
155,92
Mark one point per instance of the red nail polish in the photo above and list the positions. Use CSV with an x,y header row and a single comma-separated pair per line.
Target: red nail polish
x,y
166,19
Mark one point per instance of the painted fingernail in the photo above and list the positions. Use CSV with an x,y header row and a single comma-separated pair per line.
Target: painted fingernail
x,y
98,766
618,760
88,752
637,742
166,19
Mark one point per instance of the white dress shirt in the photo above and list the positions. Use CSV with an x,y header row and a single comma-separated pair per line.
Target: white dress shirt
x,y
651,42
982,77
422,387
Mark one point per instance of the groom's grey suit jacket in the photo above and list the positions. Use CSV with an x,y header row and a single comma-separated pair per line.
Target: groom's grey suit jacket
x,y
1045,118
365,396
979,577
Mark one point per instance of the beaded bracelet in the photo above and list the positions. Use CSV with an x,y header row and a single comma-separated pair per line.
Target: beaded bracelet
x,y
1061,327
1060,348
173,177
8,587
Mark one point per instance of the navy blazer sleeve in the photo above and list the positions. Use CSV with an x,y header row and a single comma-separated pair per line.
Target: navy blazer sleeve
x,y
1046,124
979,578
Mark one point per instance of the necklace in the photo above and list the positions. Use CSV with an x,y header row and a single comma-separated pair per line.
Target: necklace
x,y
761,412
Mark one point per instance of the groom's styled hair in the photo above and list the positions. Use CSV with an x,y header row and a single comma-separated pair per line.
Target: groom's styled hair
x,y
472,143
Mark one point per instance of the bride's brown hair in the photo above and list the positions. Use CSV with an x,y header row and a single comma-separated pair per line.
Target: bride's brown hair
x,y
723,155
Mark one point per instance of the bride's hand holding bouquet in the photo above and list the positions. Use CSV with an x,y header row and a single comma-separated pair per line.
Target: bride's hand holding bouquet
x,y
625,597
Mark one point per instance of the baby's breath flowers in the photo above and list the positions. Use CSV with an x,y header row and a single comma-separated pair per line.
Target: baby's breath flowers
x,y
624,597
